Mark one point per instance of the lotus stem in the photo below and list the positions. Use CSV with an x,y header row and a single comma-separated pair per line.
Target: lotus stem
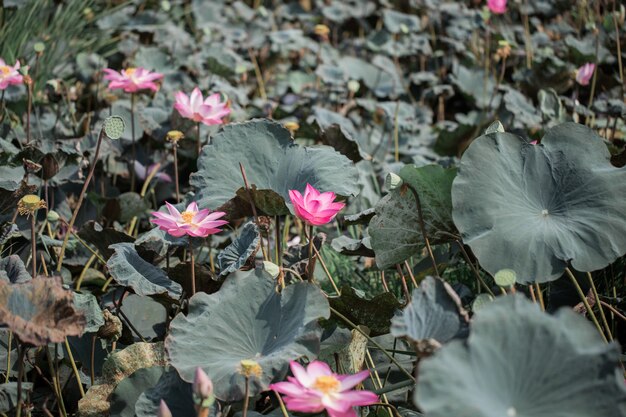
x,y
613,310
619,49
198,142
2,106
540,297
29,91
80,201
33,244
246,399
583,298
193,268
252,205
410,271
476,271
311,265
330,277
396,133
423,229
20,375
133,155
6,379
602,316
282,404
405,288
74,368
175,154
92,360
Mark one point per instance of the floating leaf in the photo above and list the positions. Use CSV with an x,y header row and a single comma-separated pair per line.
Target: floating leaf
x,y
13,270
39,311
375,314
395,232
129,269
270,328
534,208
274,164
433,317
236,255
520,361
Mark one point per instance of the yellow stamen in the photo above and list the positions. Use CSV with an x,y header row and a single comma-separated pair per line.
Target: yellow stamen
x,y
5,70
130,71
187,216
327,384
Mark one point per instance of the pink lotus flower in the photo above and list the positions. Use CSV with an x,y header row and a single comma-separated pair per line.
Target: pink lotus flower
x,y
9,74
194,107
584,73
497,6
315,208
202,384
192,222
132,80
317,388
142,172
164,410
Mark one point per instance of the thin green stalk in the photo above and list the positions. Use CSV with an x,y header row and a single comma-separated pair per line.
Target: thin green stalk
x,y
80,201
174,151
595,295
246,398
6,379
20,376
372,341
74,368
33,244
310,266
193,268
133,151
581,294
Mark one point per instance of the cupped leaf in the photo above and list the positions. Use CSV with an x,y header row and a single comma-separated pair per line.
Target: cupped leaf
x,y
520,361
269,328
39,311
101,237
534,208
273,163
395,230
129,269
128,391
13,270
236,255
176,393
434,316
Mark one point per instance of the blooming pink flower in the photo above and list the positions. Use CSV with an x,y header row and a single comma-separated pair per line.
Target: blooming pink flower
x,y
9,74
142,172
584,73
497,6
194,107
315,208
132,80
192,222
317,388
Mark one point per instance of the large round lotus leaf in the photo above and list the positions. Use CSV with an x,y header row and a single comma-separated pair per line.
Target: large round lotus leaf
x,y
522,362
395,232
274,164
435,312
235,255
534,208
129,269
176,393
39,311
246,319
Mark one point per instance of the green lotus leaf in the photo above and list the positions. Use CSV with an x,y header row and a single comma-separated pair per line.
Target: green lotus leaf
x,y
129,389
522,362
88,305
236,255
39,311
269,328
176,393
434,313
534,208
13,270
8,395
395,232
339,132
375,313
147,315
102,237
129,269
10,177
273,163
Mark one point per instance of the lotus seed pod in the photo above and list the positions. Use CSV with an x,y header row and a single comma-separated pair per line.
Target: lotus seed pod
x,y
321,30
29,204
271,268
53,216
393,181
292,126
505,278
174,136
112,327
250,368
114,127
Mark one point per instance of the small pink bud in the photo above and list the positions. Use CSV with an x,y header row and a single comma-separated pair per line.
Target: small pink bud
x,y
202,385
164,410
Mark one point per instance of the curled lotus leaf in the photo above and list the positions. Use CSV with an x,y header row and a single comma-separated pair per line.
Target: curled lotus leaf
x,y
13,270
274,164
535,208
433,317
39,311
236,255
247,319
519,361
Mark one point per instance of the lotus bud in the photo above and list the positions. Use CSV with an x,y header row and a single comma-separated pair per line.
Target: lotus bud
x,y
174,136
29,204
354,86
250,368
393,181
164,410
202,389
53,216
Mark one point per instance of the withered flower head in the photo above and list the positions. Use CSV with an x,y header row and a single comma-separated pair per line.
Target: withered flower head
x,y
29,204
